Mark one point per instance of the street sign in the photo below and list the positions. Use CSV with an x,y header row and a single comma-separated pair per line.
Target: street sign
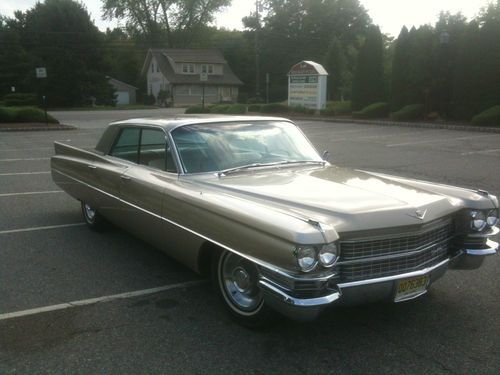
x,y
203,77
13,89
41,72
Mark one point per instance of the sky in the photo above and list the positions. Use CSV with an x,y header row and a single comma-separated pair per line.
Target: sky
x,y
390,15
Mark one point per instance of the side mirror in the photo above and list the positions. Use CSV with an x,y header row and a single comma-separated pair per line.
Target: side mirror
x,y
326,155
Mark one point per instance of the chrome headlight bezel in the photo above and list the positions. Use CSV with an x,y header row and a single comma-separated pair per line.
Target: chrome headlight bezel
x,y
492,218
307,258
477,220
328,255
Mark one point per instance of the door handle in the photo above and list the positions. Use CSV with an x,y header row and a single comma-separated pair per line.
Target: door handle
x,y
92,166
126,178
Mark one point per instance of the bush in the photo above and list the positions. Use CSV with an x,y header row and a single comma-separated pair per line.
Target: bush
x,y
24,114
255,101
409,112
254,108
274,108
149,100
237,109
337,108
197,109
7,114
20,100
489,117
302,109
219,108
375,110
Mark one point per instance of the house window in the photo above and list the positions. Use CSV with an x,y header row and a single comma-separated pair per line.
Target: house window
x,y
188,68
157,68
209,69
152,67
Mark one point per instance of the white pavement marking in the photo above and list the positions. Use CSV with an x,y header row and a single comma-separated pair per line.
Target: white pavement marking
x,y
92,301
22,173
438,140
27,149
31,193
33,229
28,159
481,152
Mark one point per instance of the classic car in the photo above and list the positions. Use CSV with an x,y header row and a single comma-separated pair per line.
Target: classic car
x,y
249,201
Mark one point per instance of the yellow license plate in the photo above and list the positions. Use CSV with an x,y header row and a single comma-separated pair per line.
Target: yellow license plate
x,y
411,288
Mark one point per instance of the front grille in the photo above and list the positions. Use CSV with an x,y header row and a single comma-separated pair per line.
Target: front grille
x,y
366,259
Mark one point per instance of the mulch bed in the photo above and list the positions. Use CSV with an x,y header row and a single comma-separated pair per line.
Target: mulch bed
x,y
33,126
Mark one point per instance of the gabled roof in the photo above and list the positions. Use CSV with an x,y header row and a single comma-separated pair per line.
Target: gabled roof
x,y
166,57
120,83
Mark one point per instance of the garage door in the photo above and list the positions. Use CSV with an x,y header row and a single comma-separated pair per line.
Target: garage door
x,y
122,97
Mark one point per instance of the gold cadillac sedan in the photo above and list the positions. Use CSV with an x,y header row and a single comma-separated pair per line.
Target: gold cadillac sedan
x,y
249,201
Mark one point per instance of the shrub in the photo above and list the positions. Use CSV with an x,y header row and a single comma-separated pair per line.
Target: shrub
x,y
197,109
219,108
254,108
31,114
20,100
409,112
489,117
255,101
375,110
7,114
149,100
274,108
302,109
337,108
237,109
24,114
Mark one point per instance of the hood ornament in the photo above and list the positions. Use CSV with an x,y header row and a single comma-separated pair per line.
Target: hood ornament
x,y
420,214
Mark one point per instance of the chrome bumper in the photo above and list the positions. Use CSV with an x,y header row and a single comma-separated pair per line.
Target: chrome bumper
x,y
364,291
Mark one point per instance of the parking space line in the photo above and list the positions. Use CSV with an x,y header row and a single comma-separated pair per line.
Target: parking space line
x,y
438,140
31,193
27,149
27,159
481,152
92,301
33,229
22,173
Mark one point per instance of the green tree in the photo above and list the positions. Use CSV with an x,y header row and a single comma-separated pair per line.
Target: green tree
x,y
368,82
400,64
172,23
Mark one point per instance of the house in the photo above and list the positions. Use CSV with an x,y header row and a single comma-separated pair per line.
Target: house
x,y
186,73
125,93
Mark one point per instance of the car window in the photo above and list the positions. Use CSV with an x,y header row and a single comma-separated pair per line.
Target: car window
x,y
152,149
127,145
170,161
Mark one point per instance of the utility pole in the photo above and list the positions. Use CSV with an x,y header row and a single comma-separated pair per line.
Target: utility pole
x,y
257,53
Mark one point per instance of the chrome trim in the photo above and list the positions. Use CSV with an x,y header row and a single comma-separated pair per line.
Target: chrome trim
x,y
392,256
300,302
491,250
492,232
394,277
266,265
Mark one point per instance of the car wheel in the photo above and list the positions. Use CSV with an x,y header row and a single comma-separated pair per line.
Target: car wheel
x,y
236,281
92,217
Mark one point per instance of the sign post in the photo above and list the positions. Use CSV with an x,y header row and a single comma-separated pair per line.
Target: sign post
x,y
267,87
203,79
307,83
42,73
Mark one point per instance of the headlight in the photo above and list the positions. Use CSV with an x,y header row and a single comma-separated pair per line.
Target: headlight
x,y
328,255
306,258
492,218
478,220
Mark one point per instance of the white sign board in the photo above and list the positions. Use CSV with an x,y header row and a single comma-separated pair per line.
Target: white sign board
x,y
41,73
203,77
307,82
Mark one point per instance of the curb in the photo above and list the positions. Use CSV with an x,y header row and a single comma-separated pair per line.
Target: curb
x,y
428,125
38,128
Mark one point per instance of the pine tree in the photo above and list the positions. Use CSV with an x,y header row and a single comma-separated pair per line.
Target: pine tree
x,y
400,64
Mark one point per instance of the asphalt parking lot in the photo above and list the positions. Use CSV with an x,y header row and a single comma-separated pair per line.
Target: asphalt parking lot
x,y
48,258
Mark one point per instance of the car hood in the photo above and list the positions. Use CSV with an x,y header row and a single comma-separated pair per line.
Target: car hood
x,y
348,199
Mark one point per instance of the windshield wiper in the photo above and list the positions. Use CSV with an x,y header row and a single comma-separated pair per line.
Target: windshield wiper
x,y
256,165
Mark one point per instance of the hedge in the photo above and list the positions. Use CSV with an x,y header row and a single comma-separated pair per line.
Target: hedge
x,y
408,113
337,108
197,109
219,108
24,114
236,109
489,117
302,109
274,108
254,108
375,110
20,100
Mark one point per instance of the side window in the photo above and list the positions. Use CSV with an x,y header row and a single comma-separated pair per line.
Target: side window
x,y
152,150
127,145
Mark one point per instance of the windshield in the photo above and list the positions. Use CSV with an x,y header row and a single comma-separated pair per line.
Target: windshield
x,y
218,147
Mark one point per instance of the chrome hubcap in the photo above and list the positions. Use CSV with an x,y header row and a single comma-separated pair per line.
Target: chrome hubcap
x,y
89,212
239,279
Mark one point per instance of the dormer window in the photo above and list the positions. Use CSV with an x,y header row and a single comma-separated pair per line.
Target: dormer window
x,y
188,68
209,69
